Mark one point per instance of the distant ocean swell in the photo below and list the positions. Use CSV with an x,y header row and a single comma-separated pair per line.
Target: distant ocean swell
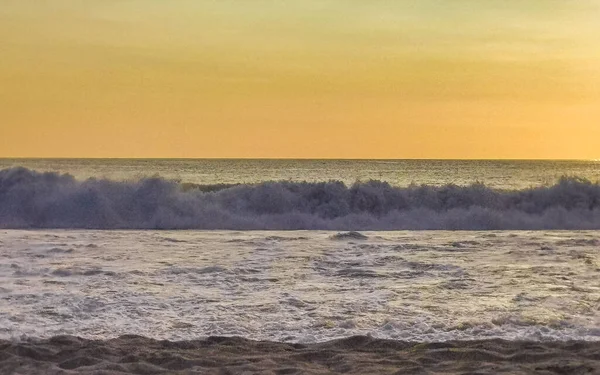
x,y
30,199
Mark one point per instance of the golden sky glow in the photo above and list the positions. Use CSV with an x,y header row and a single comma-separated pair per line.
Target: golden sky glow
x,y
300,78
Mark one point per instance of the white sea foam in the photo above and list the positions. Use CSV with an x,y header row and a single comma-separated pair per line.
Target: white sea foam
x,y
300,286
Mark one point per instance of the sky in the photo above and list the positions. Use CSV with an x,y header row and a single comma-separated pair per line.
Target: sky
x,y
458,79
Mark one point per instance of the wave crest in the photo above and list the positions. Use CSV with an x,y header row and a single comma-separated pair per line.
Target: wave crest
x,y
30,199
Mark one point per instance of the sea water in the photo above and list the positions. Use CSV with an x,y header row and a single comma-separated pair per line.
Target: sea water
x,y
267,253
504,174
301,286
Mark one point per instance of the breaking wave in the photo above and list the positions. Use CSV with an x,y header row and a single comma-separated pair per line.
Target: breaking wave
x,y
30,199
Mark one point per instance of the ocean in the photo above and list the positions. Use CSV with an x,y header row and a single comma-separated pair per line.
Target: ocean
x,y
502,174
296,251
301,286
299,194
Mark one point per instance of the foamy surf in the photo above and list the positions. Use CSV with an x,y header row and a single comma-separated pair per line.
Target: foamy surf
x,y
303,287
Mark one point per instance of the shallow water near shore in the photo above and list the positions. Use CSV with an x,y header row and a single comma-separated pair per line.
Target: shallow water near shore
x,y
301,286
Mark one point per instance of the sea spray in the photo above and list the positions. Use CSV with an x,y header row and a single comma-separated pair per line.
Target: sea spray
x,y
30,199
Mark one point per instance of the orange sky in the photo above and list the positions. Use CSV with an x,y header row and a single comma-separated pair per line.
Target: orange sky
x,y
300,78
